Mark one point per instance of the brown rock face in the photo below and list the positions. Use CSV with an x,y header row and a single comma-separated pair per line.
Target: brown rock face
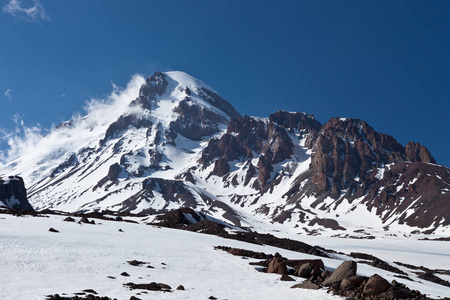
x,y
270,140
277,265
221,167
194,121
297,263
346,149
305,270
345,270
420,186
417,152
291,121
376,285
352,282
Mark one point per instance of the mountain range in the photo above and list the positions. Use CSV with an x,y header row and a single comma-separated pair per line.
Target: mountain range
x,y
171,141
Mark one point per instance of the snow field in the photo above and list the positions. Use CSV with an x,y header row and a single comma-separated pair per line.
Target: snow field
x,y
36,262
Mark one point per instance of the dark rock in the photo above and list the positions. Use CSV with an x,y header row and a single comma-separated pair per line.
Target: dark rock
x,y
153,286
306,285
244,252
277,265
397,294
345,270
180,288
13,194
217,101
85,220
125,274
304,270
212,298
53,230
136,262
376,285
134,298
285,277
69,219
325,274
221,167
352,282
114,171
417,152
194,121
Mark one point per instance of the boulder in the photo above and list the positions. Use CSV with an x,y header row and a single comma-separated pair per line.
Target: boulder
x,y
376,285
277,265
345,270
304,270
13,194
296,263
306,285
286,277
352,282
85,220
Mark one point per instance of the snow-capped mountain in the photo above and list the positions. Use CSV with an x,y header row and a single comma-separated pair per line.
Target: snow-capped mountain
x,y
171,140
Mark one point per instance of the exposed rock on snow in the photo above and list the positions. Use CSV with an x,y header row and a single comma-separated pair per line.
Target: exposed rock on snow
x,y
13,193
171,141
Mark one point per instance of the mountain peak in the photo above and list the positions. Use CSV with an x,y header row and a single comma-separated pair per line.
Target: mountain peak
x,y
170,140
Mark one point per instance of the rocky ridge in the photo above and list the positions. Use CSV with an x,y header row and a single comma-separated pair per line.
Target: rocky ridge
x,y
178,143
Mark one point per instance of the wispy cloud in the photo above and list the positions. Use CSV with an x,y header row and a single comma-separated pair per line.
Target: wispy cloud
x,y
37,144
28,10
8,94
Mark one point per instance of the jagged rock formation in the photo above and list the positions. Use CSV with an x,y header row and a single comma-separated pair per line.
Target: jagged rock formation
x,y
177,143
13,194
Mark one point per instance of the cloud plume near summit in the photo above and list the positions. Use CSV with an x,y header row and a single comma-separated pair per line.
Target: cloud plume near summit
x,y
48,146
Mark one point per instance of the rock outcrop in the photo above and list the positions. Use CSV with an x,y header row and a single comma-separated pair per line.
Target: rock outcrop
x,y
13,194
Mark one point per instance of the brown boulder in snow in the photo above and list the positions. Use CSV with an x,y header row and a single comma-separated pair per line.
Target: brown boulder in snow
x,y
376,285
345,270
277,265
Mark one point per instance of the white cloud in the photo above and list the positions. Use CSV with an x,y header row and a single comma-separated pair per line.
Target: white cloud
x,y
38,145
28,10
8,94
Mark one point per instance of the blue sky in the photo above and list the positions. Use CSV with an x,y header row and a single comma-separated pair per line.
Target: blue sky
x,y
386,62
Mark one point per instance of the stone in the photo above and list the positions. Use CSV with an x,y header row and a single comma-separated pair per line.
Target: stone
x,y
53,230
277,265
345,270
305,270
306,285
13,193
85,220
352,282
286,277
376,285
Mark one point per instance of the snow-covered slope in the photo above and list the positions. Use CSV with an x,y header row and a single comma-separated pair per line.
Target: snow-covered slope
x,y
36,262
170,140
